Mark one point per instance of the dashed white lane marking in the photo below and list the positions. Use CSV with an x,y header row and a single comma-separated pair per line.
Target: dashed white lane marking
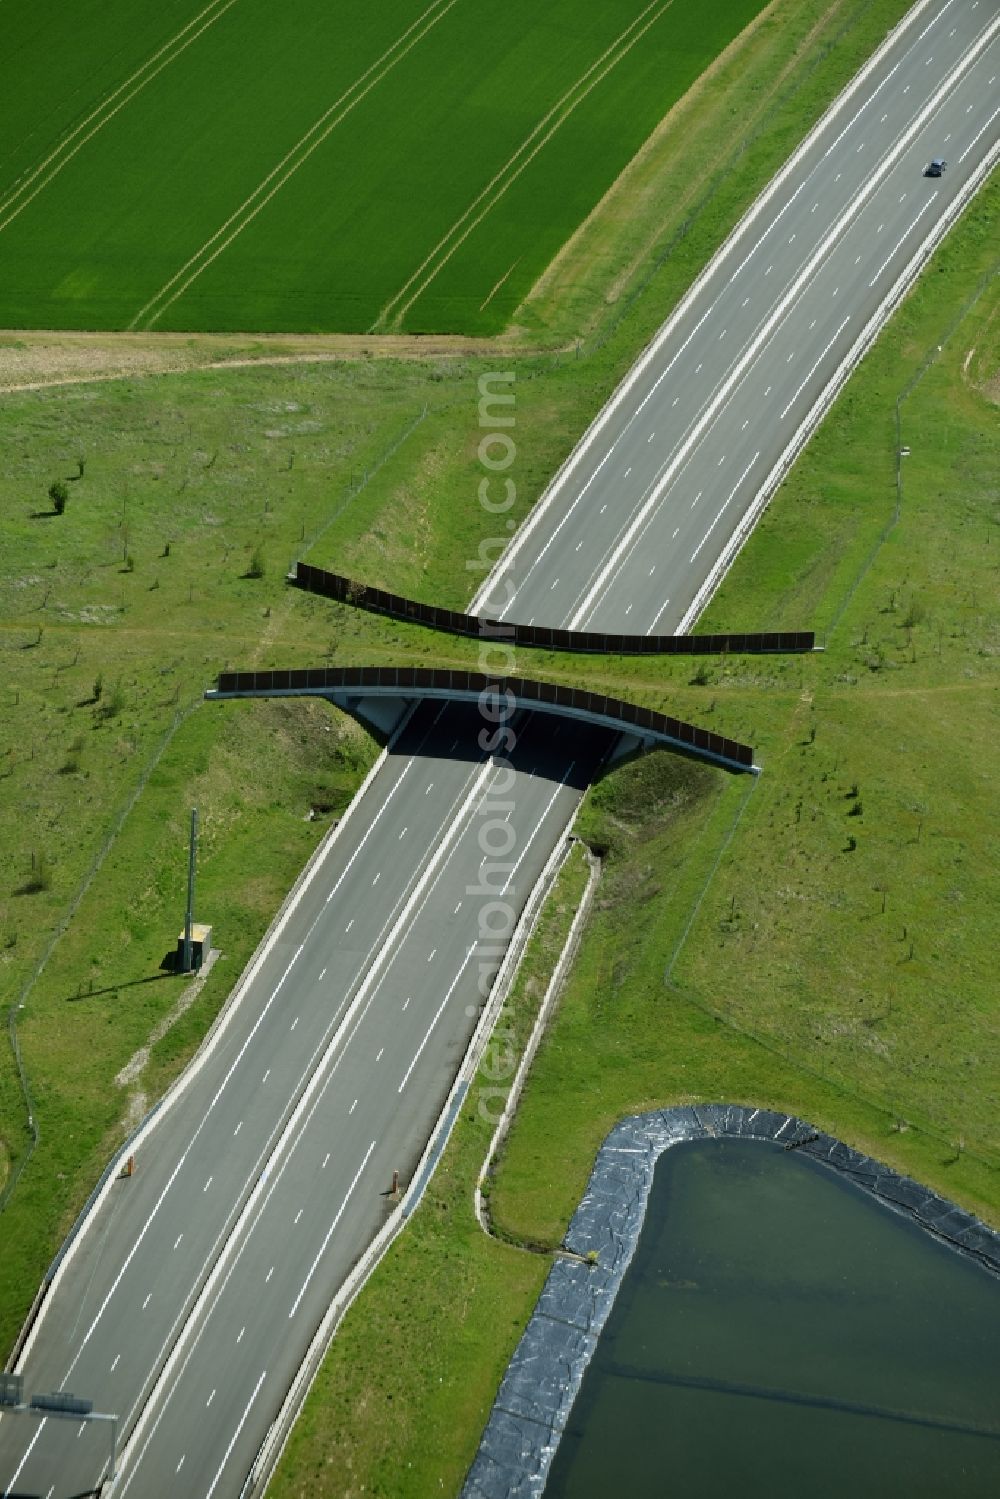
x,y
675,400
322,976
380,1051
838,176
735,487
208,1184
114,1366
791,238
677,532
835,290
405,830
347,928
656,619
697,498
722,335
209,1400
267,1074
325,1160
457,909
697,369
147,1301
180,1464
267,1277
178,1239
242,1331
745,425
627,471
555,584
768,390
329,1234
406,1001
815,367
906,89
430,788
860,148
902,237
83,1428
721,461
745,302
812,325
294,1023
237,1129
652,570
790,357
235,1437
431,956
769,270
857,260
377,878
650,437
298,1215
883,119
602,509
579,545
629,609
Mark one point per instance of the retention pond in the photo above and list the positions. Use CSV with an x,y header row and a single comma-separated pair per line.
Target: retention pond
x,y
748,1306
779,1331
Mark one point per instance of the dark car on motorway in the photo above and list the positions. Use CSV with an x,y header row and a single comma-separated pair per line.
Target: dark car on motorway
x,y
936,167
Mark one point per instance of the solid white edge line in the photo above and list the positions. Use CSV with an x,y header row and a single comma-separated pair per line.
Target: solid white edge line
x,y
775,317
235,1437
277,1436
281,1145
831,390
214,1035
330,1231
732,239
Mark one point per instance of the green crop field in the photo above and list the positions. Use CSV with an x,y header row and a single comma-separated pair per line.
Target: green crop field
x,y
239,165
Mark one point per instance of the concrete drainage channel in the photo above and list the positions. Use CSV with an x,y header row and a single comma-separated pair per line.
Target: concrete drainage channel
x,y
544,1376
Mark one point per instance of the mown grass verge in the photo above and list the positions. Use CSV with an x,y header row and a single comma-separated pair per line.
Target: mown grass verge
x,y
270,456
86,1031
398,1406
738,949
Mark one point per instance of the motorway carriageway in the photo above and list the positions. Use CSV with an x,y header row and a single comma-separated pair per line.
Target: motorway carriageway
x,y
642,521
283,1145
256,1191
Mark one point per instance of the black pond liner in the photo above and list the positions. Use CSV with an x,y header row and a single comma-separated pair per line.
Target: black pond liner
x,y
545,1373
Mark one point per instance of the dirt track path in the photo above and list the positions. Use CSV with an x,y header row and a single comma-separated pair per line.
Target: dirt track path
x,y
35,360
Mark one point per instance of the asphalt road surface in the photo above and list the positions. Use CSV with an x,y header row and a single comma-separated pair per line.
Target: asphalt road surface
x,y
204,1275
189,1300
642,521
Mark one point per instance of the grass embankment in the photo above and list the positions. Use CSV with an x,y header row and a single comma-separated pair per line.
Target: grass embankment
x,y
839,960
222,464
398,1406
738,948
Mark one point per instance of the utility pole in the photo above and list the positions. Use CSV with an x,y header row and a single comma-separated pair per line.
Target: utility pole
x,y
189,917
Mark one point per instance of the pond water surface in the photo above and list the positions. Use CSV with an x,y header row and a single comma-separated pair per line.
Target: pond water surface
x,y
780,1332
